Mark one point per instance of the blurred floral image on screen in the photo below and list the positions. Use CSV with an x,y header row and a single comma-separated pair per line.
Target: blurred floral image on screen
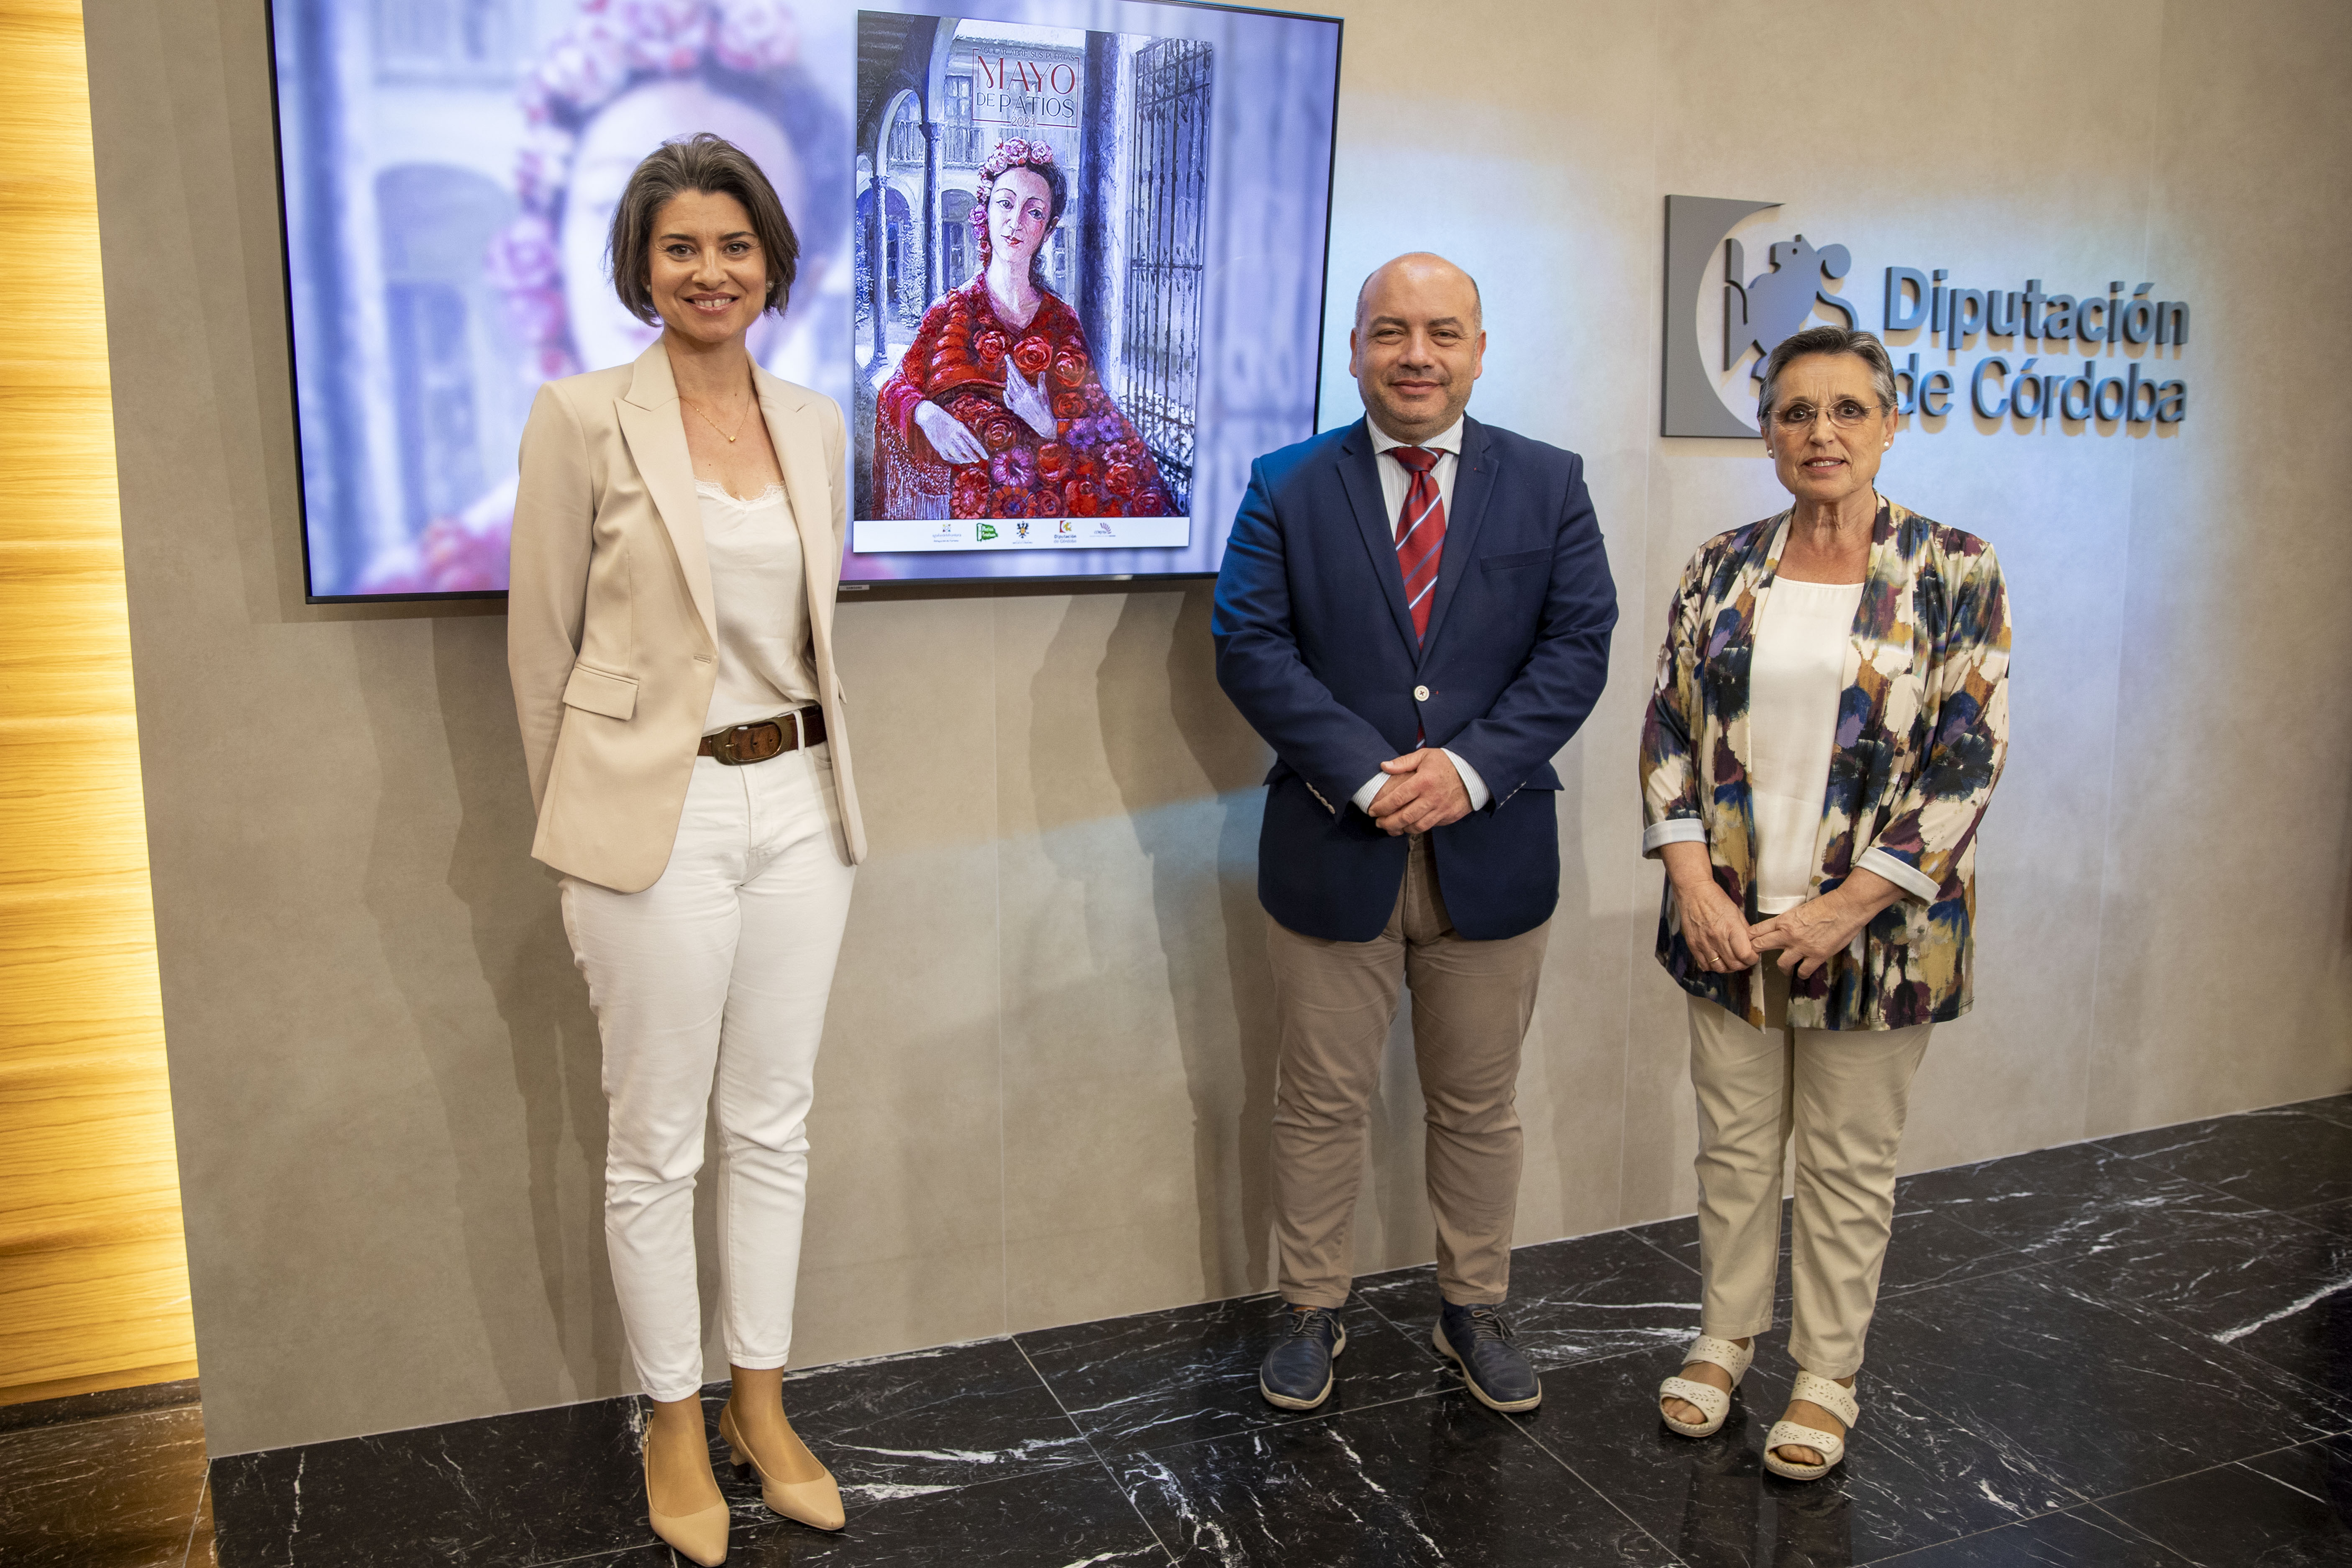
x,y
450,170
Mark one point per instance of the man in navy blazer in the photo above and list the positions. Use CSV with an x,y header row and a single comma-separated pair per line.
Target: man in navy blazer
x,y
1414,612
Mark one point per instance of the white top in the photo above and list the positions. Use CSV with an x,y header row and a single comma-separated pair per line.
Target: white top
x,y
762,601
1396,482
1796,670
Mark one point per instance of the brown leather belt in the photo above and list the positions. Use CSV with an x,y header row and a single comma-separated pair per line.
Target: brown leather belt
x,y
767,737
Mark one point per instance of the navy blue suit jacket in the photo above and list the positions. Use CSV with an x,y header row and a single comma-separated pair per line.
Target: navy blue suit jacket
x,y
1315,645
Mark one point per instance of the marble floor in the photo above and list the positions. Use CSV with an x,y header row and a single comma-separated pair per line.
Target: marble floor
x,y
106,1480
2129,1354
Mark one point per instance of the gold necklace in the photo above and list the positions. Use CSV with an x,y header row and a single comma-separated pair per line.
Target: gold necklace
x,y
707,419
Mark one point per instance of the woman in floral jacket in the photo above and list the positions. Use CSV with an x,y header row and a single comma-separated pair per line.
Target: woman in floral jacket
x,y
996,410
1830,714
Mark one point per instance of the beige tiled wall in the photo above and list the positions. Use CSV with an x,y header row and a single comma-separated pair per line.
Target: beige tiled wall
x,y
1048,1068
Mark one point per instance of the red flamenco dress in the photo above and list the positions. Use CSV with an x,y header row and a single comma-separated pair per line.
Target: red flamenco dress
x,y
1093,465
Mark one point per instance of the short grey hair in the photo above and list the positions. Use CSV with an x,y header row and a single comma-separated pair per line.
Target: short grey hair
x,y
1827,340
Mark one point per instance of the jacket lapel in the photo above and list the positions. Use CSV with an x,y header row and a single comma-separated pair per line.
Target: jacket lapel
x,y
1473,482
1359,473
801,452
652,424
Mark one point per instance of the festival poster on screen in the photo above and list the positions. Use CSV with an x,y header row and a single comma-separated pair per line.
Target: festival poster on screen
x,y
1034,367
1043,408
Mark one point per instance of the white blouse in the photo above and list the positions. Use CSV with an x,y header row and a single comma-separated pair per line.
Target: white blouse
x,y
1796,670
762,601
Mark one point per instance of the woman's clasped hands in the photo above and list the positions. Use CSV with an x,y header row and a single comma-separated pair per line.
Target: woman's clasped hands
x,y
1805,937
1809,935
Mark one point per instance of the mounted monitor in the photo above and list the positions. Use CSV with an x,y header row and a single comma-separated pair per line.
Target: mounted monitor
x,y
1062,263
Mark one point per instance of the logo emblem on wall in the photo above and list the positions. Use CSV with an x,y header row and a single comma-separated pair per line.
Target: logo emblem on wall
x,y
1770,308
1762,312
1067,528
982,532
1021,529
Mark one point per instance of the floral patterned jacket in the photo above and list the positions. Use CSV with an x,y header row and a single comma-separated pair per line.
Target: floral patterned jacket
x,y
1923,728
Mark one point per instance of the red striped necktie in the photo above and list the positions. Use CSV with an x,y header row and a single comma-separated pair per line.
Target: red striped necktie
x,y
1421,533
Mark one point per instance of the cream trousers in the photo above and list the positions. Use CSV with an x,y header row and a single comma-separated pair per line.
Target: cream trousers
x,y
715,975
1842,1093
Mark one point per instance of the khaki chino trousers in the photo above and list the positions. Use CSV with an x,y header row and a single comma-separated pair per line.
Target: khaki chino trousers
x,y
1471,1001
1841,1095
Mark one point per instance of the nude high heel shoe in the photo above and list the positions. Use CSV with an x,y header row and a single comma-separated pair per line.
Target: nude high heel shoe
x,y
700,1537
815,1503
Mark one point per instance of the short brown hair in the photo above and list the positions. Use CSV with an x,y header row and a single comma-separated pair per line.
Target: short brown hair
x,y
715,166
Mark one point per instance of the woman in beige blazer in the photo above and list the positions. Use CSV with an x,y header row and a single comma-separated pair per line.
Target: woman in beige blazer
x,y
677,541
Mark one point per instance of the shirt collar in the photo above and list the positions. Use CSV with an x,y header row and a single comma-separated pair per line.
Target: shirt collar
x,y
1446,440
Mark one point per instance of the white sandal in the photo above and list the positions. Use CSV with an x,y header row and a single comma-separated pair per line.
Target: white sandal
x,y
1838,1401
1724,1353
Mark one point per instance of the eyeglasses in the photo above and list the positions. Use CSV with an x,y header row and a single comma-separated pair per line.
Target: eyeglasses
x,y
1845,414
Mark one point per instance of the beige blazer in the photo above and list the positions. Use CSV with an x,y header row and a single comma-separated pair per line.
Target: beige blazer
x,y
611,639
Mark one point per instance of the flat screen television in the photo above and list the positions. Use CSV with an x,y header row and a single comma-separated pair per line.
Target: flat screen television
x,y
449,168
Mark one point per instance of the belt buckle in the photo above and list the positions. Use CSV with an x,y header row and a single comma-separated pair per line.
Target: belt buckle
x,y
728,746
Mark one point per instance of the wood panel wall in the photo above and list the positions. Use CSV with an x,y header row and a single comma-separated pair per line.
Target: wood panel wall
x,y
93,1276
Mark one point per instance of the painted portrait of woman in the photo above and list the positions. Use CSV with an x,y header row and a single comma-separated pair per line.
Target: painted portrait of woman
x,y
998,409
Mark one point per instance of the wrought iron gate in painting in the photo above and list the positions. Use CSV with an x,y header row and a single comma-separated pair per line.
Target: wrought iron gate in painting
x,y
1160,345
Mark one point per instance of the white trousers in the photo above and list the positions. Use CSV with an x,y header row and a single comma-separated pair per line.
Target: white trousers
x,y
718,973
1843,1095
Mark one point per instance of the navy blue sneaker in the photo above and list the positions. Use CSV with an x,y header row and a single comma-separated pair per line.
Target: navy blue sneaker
x,y
1476,1339
1297,1372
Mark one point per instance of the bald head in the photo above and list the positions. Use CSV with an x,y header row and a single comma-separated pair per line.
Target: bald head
x,y
1420,341
1421,267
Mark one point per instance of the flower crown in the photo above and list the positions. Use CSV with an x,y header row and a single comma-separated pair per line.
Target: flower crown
x,y
1014,154
617,41
614,45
